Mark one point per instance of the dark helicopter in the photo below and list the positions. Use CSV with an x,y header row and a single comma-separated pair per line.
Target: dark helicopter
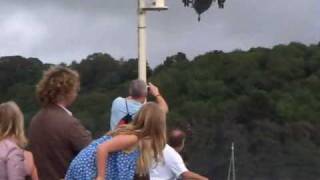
x,y
201,6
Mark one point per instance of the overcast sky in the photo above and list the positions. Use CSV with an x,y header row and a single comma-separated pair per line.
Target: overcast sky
x,y
64,30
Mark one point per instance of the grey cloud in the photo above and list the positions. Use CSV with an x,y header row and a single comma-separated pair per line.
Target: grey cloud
x,y
65,30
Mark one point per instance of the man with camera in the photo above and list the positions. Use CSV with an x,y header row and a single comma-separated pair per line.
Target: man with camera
x,y
124,109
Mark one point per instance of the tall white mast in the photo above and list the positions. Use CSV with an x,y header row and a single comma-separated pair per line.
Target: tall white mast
x,y
142,52
232,169
158,5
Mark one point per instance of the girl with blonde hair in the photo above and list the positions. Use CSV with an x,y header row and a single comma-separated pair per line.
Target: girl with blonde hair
x,y
15,162
127,150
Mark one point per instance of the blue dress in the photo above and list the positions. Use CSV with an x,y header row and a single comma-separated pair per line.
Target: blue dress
x,y
121,165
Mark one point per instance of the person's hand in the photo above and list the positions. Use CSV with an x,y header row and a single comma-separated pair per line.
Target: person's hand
x,y
154,91
99,178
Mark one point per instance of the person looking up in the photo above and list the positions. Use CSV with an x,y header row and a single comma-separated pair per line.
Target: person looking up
x,y
123,109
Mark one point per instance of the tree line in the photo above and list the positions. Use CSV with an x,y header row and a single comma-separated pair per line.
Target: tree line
x,y
265,100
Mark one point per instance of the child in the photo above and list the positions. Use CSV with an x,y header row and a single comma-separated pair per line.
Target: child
x,y
127,149
15,163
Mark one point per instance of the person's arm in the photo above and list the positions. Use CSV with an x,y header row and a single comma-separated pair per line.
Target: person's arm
x,y
117,143
15,165
29,162
78,135
175,163
159,99
34,174
189,175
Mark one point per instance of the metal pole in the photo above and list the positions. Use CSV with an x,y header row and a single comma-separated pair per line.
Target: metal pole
x,y
232,169
142,56
233,163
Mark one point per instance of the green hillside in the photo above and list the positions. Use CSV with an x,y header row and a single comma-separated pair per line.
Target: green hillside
x,y
266,101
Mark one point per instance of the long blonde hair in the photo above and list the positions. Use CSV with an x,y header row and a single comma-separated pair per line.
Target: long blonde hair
x,y
12,123
150,127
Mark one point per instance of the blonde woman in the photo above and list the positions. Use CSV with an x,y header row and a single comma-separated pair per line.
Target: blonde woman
x,y
15,163
127,149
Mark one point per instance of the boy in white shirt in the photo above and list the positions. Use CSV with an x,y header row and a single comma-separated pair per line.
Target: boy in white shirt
x,y
173,166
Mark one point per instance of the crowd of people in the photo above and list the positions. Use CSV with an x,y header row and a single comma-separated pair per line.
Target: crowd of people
x,y
137,146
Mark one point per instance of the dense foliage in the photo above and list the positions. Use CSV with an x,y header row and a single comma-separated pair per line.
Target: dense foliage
x,y
267,101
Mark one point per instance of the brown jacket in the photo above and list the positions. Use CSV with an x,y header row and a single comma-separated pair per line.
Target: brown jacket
x,y
55,139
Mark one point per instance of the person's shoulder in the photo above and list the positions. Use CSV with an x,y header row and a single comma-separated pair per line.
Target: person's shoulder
x,y
170,153
49,112
40,114
134,105
62,118
134,102
58,117
9,148
4,147
169,149
8,144
71,121
118,100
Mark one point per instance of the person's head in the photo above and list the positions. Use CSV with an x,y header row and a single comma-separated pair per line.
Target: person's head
x,y
12,123
138,90
176,139
150,127
59,85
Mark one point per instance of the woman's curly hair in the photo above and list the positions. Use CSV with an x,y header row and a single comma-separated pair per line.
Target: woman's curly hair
x,y
56,84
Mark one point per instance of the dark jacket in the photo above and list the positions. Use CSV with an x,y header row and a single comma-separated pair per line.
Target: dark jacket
x,y
55,138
